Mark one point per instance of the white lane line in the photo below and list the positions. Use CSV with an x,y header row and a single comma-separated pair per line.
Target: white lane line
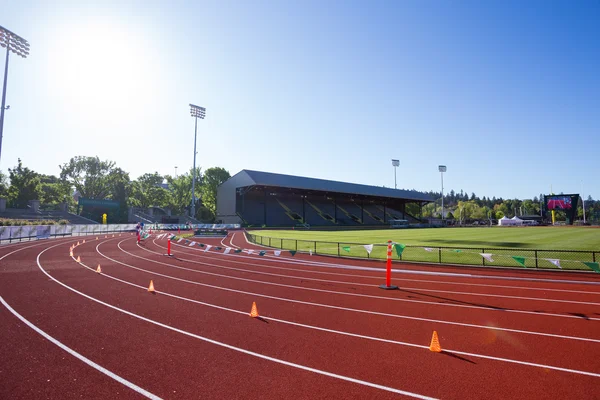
x,y
75,354
454,274
345,293
230,347
334,307
318,328
186,250
309,263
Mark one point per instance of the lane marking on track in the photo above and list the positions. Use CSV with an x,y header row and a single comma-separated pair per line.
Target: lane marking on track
x,y
345,293
230,347
199,254
80,357
335,307
318,328
454,274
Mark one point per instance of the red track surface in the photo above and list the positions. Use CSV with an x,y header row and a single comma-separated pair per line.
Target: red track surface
x,y
326,329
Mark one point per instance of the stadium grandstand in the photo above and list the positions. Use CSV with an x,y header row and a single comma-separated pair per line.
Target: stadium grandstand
x,y
255,198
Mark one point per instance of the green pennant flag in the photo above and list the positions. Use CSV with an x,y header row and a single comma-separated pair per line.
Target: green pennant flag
x,y
593,265
293,252
186,241
458,251
520,260
237,251
262,253
399,248
346,248
218,248
201,244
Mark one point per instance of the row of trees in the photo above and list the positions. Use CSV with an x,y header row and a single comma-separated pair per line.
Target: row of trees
x,y
463,207
93,178
96,179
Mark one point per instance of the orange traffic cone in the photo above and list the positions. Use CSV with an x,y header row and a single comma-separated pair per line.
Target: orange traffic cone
x,y
71,253
78,243
78,259
254,311
83,241
151,287
96,237
435,343
99,270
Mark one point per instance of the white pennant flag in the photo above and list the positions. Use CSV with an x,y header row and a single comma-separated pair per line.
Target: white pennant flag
x,y
487,256
208,246
192,244
227,250
277,253
250,251
555,262
180,240
369,248
427,249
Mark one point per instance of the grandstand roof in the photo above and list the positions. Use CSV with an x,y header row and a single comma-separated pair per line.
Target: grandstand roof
x,y
299,182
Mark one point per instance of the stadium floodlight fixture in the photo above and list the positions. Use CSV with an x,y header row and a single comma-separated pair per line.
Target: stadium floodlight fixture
x,y
196,112
15,43
442,169
395,164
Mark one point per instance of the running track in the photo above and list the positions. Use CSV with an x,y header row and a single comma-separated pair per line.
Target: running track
x,y
325,329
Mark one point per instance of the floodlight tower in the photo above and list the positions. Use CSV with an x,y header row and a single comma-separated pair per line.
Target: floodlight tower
x,y
196,112
442,169
395,163
20,47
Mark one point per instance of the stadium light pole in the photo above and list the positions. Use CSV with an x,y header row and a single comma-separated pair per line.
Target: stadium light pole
x,y
395,163
442,169
20,47
196,112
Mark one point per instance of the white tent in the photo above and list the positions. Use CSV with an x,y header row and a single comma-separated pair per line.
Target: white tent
x,y
505,221
517,220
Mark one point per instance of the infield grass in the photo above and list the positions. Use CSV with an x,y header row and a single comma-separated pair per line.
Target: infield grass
x,y
451,245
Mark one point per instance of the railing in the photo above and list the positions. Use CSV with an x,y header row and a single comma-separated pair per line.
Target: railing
x,y
9,234
493,257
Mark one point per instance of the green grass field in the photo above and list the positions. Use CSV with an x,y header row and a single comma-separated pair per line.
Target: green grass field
x,y
452,245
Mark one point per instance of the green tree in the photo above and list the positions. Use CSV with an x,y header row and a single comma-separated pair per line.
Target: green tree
x,y
147,191
3,184
90,176
55,190
180,193
24,186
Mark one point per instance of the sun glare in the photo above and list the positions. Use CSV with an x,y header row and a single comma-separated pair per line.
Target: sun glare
x,y
101,68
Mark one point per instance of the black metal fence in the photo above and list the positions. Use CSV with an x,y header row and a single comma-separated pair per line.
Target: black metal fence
x,y
480,256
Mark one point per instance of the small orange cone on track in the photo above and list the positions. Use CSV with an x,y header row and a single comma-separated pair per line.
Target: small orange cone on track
x,y
96,237
71,253
99,270
151,287
78,243
78,259
83,241
435,343
254,311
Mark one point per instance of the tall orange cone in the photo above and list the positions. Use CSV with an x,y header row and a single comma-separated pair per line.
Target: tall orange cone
x,y
254,311
435,343
99,270
78,259
151,287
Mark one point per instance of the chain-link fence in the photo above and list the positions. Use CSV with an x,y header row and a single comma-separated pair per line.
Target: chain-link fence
x,y
481,256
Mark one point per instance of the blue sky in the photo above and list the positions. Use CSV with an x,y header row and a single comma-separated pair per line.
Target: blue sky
x,y
505,93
